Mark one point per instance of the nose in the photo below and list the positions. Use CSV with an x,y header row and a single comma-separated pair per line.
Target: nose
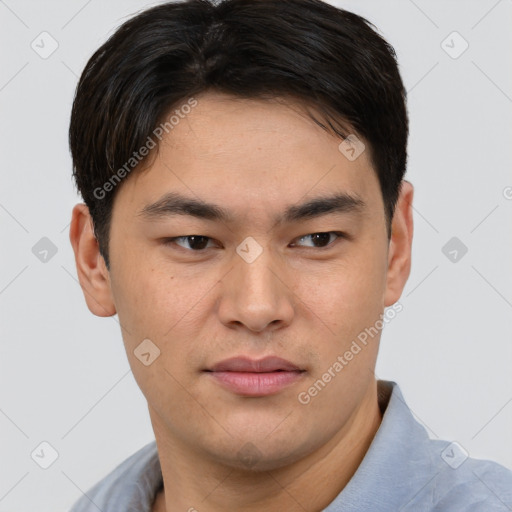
x,y
256,295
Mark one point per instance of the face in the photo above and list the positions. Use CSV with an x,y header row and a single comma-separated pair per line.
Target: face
x,y
252,253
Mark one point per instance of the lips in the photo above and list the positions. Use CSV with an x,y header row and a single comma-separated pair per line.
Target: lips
x,y
242,364
255,378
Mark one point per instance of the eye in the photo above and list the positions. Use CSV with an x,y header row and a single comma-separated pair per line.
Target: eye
x,y
190,242
318,240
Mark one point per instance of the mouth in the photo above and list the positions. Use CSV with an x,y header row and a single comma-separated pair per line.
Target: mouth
x,y
250,377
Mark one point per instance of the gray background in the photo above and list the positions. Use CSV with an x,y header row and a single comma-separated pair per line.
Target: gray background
x,y
64,374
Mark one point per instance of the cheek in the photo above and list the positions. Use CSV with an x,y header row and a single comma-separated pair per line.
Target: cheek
x,y
149,298
164,307
345,298
151,307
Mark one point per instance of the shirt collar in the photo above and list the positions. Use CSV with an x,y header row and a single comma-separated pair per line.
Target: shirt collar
x,y
397,466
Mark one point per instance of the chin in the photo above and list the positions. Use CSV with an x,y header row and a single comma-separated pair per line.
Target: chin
x,y
254,454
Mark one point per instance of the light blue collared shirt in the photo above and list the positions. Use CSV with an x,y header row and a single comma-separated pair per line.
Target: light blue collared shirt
x,y
403,471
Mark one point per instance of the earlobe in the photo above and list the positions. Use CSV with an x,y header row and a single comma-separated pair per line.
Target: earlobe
x,y
399,255
91,269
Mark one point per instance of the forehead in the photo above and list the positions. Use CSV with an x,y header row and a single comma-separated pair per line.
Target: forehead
x,y
249,153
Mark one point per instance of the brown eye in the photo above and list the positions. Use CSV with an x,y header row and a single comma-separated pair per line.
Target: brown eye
x,y
191,242
318,240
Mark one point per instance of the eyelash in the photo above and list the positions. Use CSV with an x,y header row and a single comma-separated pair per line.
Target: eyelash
x,y
339,234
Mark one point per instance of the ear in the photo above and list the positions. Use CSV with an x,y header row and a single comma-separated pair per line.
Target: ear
x,y
399,251
91,269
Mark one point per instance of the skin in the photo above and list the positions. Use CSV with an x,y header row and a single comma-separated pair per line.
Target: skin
x,y
303,303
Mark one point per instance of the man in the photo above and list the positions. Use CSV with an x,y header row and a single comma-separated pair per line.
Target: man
x,y
246,217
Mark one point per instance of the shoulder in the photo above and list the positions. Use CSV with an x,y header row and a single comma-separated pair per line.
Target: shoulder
x,y
462,481
130,483
431,475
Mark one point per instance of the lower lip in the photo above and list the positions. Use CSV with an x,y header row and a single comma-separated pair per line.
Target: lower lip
x,y
256,384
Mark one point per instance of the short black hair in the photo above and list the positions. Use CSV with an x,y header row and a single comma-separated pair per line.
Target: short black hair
x,y
306,50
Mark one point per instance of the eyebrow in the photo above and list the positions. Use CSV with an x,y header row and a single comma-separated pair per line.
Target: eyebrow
x,y
172,204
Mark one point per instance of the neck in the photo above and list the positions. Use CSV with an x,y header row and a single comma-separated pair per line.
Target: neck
x,y
194,482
